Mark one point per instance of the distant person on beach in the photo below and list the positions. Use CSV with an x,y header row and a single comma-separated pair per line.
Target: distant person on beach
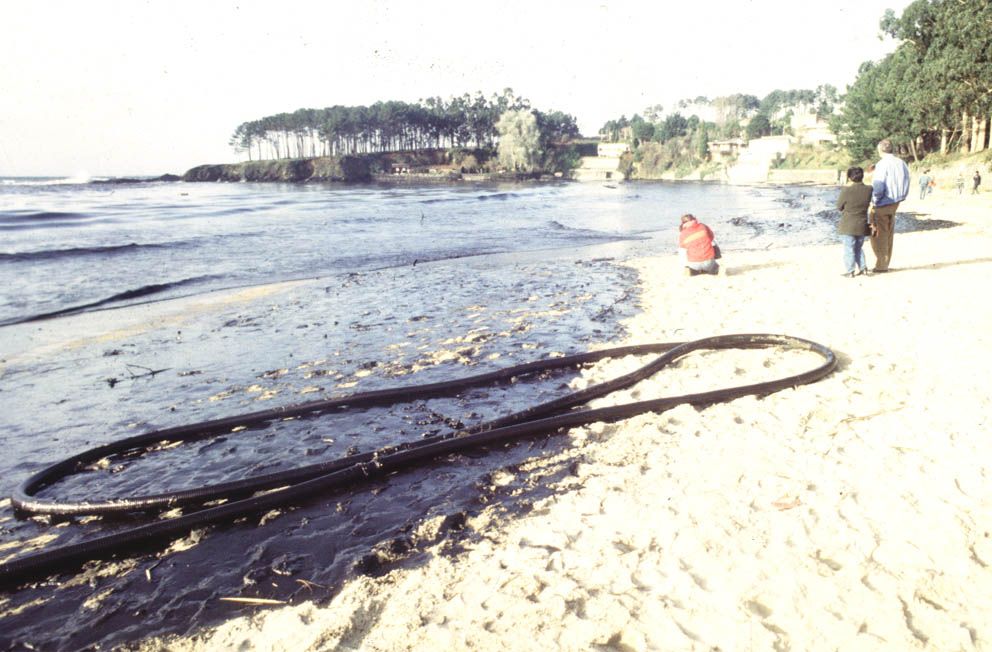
x,y
700,251
890,185
977,180
925,184
959,183
853,203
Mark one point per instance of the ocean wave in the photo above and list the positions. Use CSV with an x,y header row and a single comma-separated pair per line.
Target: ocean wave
x,y
579,234
55,254
502,196
120,297
457,197
49,181
40,216
34,219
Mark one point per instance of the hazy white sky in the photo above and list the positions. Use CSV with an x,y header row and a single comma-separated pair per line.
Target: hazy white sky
x,y
147,87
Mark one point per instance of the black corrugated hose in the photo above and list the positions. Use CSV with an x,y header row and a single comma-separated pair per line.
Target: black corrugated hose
x,y
297,484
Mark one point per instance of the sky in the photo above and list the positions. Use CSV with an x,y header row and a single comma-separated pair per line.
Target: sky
x,y
139,87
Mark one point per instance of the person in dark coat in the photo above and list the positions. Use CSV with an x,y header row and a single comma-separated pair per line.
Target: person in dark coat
x,y
853,203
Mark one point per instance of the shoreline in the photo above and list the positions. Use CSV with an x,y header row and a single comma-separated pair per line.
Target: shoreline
x,y
852,513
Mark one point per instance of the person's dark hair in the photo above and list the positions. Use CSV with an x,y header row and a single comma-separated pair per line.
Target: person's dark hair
x,y
885,146
855,174
687,218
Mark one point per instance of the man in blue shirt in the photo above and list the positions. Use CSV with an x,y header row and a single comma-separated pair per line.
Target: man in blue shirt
x,y
890,185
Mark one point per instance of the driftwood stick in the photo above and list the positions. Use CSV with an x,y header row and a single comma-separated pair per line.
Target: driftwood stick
x,y
148,370
131,375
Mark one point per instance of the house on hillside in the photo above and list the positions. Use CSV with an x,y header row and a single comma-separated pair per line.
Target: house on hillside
x,y
770,146
612,150
766,147
721,150
604,166
810,129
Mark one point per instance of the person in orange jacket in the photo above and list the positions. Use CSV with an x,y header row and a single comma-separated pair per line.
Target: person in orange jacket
x,y
700,250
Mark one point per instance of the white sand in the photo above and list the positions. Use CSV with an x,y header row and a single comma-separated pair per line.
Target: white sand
x,y
851,514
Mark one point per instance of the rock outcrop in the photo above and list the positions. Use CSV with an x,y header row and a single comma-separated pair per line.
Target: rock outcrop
x,y
325,168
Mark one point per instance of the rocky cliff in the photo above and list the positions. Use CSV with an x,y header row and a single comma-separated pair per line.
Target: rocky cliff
x,y
325,168
431,164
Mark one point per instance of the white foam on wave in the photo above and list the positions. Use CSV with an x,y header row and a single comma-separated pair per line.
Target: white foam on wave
x,y
78,179
24,181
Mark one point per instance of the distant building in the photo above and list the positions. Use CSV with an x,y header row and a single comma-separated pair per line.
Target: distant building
x,y
621,134
598,168
770,146
721,150
604,166
612,150
756,158
810,129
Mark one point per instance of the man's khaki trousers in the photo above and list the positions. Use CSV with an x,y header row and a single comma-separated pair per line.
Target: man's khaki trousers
x,y
884,219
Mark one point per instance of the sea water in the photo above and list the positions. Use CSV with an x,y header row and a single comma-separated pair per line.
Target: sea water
x,y
103,335
73,247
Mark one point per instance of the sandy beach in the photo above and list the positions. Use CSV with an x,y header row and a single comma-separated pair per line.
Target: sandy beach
x,y
850,514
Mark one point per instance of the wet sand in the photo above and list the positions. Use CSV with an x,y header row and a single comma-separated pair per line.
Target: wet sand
x,y
850,514
99,376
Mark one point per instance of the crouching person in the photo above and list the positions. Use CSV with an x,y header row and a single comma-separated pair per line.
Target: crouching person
x,y
700,251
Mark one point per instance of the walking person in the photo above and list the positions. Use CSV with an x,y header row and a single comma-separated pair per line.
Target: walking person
x,y
925,181
890,185
853,203
959,183
977,181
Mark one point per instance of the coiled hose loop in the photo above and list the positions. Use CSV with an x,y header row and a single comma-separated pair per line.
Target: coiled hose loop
x,y
299,483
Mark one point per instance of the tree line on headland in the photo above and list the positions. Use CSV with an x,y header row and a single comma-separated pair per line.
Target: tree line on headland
x,y
434,123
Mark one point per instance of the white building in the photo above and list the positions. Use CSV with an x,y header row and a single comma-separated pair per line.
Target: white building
x,y
809,129
612,150
769,146
721,150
